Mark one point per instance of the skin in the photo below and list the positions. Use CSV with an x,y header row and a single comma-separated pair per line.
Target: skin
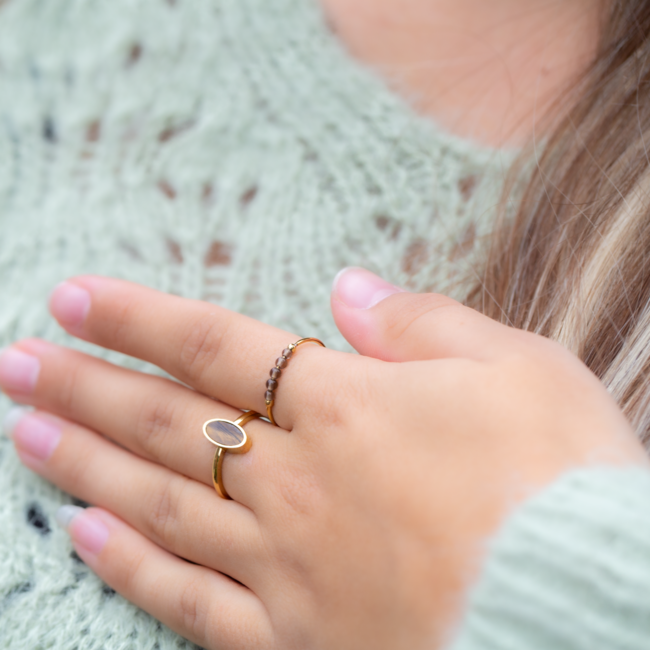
x,y
362,520
483,70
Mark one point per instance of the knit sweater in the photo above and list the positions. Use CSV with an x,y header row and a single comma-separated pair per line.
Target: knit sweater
x,y
231,151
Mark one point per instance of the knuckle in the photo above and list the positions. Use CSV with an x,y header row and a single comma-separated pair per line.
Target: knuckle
x,y
155,422
128,580
362,387
79,471
358,388
193,609
117,329
354,385
300,492
66,395
397,322
202,341
163,511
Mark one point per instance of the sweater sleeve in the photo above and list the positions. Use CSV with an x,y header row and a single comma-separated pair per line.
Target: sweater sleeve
x,y
570,570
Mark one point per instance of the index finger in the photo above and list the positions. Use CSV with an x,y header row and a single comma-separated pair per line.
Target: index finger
x,y
216,351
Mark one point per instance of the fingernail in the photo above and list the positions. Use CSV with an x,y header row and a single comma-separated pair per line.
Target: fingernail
x,y
361,289
65,514
18,370
85,530
69,304
36,436
12,418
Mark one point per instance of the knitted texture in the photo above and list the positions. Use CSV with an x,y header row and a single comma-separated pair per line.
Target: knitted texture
x,y
570,570
224,150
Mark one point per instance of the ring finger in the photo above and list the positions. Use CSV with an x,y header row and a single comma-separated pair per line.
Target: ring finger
x,y
160,503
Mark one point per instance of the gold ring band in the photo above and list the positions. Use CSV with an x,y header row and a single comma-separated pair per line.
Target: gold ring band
x,y
280,364
232,438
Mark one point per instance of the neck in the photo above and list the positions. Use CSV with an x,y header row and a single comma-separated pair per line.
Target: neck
x,y
483,69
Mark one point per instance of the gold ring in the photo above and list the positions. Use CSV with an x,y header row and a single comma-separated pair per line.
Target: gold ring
x,y
276,371
230,436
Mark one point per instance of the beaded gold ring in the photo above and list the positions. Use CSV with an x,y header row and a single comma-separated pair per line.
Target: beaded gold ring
x,y
280,364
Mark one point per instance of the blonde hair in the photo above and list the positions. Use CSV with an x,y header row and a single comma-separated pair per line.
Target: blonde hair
x,y
573,263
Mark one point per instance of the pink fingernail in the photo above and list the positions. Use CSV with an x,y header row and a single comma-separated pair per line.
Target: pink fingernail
x,y
36,436
69,304
18,370
86,531
89,532
361,289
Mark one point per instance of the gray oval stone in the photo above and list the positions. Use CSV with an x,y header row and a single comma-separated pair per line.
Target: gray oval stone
x,y
225,434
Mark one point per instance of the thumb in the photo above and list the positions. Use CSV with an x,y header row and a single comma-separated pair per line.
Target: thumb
x,y
385,322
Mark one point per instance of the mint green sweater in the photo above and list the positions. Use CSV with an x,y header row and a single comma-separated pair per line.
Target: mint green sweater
x,y
229,150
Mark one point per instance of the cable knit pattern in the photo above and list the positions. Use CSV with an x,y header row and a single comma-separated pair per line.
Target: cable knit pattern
x,y
230,151
570,570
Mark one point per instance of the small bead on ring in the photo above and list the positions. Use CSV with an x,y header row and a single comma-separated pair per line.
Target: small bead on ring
x,y
276,371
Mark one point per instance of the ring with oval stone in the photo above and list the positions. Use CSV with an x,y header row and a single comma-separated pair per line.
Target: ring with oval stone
x,y
280,364
228,437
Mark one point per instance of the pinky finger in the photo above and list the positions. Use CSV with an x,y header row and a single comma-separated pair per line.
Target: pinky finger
x,y
204,606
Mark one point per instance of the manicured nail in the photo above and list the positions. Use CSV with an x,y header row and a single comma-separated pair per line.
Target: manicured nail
x,y
86,531
65,514
36,436
69,304
14,416
361,289
18,370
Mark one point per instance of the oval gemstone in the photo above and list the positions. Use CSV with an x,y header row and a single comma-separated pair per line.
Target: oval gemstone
x,y
225,434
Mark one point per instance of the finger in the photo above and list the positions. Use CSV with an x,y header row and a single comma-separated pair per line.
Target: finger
x,y
154,417
162,505
201,605
382,321
216,351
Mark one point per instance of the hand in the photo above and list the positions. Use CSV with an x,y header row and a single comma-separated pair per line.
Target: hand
x,y
362,521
